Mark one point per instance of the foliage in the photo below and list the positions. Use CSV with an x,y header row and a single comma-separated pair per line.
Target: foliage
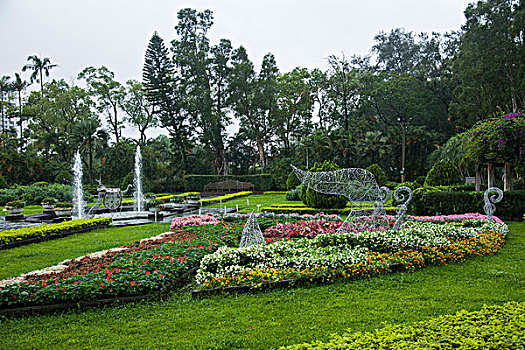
x,y
49,200
460,330
16,204
379,174
45,230
443,173
498,140
294,194
315,199
3,183
261,182
64,205
64,177
35,195
154,203
432,201
292,181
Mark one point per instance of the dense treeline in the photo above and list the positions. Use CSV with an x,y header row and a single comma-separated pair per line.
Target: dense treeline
x,y
395,107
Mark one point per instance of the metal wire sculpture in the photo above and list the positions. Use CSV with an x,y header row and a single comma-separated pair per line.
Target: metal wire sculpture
x,y
252,233
366,198
489,207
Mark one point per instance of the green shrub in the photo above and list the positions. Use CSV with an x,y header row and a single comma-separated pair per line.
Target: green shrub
x,y
443,173
315,199
3,183
261,182
294,194
127,180
492,327
391,185
420,180
292,181
39,184
64,177
432,201
35,195
44,230
378,173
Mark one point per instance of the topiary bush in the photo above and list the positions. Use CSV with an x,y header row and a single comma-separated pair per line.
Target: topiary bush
x,y
294,194
443,173
379,174
319,200
292,181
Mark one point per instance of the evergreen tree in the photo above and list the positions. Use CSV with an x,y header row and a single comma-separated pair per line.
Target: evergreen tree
x,y
163,91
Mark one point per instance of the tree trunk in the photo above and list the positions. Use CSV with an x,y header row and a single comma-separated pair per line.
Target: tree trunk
x,y
478,177
508,178
260,148
490,175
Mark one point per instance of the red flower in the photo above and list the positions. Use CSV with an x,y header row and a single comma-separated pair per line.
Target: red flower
x,y
133,283
147,273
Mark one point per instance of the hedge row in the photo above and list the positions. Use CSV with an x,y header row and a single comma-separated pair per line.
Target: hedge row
x,y
287,209
493,327
262,182
432,201
45,230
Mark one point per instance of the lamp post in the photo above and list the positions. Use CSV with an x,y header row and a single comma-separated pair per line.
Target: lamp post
x,y
403,121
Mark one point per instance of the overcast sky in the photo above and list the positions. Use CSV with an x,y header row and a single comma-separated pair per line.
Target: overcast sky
x,y
115,33
78,33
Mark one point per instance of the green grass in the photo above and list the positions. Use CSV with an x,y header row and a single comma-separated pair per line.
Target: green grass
x,y
282,317
262,199
15,261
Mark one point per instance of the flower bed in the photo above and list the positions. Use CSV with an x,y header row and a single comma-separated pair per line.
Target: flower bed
x,y
349,254
134,270
9,236
178,223
492,327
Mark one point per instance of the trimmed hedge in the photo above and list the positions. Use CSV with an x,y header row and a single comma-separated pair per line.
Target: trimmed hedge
x,y
33,195
45,230
492,327
432,201
226,197
262,182
300,209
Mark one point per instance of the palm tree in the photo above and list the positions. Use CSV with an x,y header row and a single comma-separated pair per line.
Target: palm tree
x,y
20,85
374,146
89,136
39,68
5,86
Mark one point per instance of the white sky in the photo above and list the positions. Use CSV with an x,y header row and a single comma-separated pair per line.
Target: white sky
x,y
78,33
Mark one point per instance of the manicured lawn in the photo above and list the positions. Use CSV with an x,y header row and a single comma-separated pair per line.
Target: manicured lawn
x,y
16,261
263,200
281,317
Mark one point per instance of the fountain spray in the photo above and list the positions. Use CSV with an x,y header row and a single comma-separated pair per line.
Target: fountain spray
x,y
138,195
78,193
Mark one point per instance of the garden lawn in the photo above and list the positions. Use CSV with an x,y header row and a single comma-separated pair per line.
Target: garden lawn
x,y
262,199
15,261
283,317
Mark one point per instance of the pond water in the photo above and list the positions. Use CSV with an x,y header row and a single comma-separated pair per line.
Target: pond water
x,y
13,225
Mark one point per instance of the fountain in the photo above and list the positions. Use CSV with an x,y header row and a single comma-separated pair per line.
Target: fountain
x,y
78,193
138,195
